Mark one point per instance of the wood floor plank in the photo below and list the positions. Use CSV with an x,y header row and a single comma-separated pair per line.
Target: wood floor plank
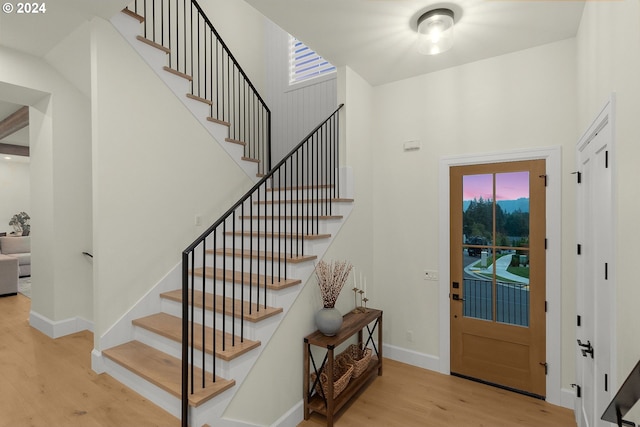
x,y
47,382
407,396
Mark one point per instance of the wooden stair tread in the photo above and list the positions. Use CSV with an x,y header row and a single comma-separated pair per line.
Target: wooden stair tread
x,y
220,122
165,371
199,98
132,14
303,201
289,217
301,187
251,313
249,159
177,73
270,234
154,44
293,259
170,327
273,283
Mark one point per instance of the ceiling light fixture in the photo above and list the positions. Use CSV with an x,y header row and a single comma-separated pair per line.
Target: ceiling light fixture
x,y
435,31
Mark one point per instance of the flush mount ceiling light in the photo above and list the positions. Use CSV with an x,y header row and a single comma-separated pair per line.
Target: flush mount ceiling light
x,y
435,31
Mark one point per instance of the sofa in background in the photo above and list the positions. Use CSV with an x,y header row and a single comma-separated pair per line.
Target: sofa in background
x,y
8,275
19,248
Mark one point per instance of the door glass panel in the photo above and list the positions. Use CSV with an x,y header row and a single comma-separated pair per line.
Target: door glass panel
x,y
477,229
477,217
496,247
512,288
512,209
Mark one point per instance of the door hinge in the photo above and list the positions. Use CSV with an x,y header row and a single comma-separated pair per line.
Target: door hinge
x,y
546,304
545,243
578,176
545,179
606,159
606,271
578,390
579,249
546,367
606,382
578,320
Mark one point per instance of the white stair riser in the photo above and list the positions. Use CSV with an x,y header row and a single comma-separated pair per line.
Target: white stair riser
x,y
160,397
251,329
284,245
173,348
256,294
262,268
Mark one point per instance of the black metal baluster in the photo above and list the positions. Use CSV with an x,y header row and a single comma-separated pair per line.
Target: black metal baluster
x,y
204,291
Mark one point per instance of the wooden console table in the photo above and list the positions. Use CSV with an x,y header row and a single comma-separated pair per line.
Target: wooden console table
x,y
353,323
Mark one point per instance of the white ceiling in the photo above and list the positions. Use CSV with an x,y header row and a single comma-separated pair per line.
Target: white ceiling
x,y
377,38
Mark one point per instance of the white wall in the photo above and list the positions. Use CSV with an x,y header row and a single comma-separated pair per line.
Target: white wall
x,y
154,169
609,61
59,134
281,361
521,100
15,191
242,29
295,110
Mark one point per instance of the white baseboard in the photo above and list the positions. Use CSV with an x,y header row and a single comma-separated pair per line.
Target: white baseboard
x,y
568,399
292,417
59,328
410,357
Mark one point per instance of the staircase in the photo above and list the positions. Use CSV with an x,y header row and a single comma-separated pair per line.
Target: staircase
x,y
237,281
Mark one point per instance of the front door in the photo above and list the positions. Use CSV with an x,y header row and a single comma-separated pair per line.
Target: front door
x,y
497,290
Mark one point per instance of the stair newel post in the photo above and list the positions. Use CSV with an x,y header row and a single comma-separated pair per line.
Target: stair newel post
x,y
251,253
203,318
266,259
185,334
224,282
215,282
242,273
280,203
233,273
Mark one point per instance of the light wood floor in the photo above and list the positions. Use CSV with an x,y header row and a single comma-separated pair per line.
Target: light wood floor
x,y
49,383
406,396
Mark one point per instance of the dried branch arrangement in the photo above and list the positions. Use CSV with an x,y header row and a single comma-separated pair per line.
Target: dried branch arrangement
x,y
331,278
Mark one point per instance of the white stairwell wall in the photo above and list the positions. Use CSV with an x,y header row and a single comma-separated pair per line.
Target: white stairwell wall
x,y
108,49
155,168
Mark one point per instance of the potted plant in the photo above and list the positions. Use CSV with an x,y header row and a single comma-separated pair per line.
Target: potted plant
x,y
331,278
20,223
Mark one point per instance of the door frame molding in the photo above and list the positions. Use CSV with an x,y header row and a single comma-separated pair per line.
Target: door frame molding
x,y
553,157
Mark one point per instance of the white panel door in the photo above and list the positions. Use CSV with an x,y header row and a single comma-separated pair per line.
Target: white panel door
x,y
595,268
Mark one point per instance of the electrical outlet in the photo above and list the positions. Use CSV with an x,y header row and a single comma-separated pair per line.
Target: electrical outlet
x,y
197,220
431,275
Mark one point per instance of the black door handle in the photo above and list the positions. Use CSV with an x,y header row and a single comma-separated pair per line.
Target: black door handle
x,y
587,348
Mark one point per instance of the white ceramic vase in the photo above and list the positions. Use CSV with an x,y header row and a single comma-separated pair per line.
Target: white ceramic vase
x,y
328,321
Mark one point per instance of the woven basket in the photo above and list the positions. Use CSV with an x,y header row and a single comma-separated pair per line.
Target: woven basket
x,y
342,372
358,357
